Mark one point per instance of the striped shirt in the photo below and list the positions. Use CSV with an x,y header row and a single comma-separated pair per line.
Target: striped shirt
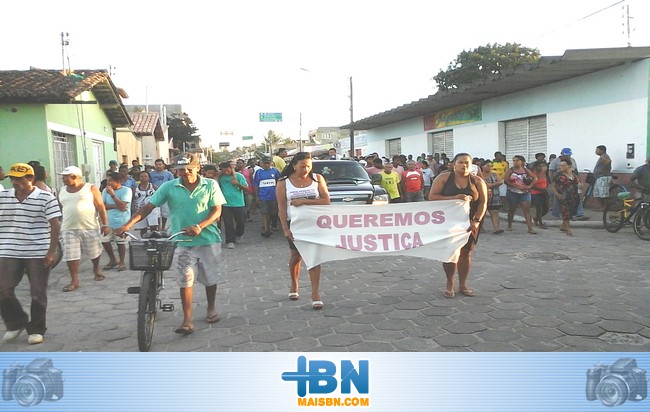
x,y
25,227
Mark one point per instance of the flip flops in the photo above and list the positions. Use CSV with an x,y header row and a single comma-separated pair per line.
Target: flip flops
x,y
110,266
468,292
70,288
212,318
184,330
449,293
99,278
294,296
317,305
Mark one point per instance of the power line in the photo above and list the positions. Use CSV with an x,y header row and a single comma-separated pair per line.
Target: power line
x,y
580,19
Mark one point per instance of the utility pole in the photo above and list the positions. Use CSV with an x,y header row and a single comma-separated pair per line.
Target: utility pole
x,y
65,41
351,120
300,133
627,18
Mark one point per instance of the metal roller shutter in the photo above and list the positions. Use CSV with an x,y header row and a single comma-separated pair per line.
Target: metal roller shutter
x,y
443,142
525,137
536,137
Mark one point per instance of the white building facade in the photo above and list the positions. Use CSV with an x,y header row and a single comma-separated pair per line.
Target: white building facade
x,y
589,98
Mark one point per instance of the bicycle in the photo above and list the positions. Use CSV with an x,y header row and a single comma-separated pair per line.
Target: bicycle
x,y
642,221
624,210
153,256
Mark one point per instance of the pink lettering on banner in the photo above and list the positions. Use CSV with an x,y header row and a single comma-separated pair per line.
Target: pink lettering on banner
x,y
324,222
356,221
385,242
403,219
370,220
438,217
386,220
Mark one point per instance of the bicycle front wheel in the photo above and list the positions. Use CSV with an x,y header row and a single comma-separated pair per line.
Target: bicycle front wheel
x,y
58,256
147,310
613,218
642,223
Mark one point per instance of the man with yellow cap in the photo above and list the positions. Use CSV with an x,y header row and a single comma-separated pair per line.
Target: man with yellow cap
x,y
29,234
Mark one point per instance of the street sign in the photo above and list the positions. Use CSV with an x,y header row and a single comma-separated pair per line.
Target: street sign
x,y
247,137
270,117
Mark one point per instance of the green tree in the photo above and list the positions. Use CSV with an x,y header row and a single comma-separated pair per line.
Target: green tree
x,y
182,130
484,62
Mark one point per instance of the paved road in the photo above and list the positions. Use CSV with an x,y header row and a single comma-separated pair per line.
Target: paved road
x,y
544,292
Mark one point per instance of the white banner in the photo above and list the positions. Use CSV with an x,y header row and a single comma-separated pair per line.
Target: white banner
x,y
432,230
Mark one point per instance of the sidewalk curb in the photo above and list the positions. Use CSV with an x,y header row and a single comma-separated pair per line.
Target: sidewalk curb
x,y
591,223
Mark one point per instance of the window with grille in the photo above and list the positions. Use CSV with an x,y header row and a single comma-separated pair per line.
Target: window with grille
x,y
63,145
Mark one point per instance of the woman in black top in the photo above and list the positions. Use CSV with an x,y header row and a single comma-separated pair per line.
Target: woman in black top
x,y
458,183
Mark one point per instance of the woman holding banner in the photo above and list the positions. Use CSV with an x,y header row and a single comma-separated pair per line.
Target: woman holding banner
x,y
458,183
298,187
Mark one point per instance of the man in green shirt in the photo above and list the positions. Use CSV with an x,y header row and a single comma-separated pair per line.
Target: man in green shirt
x,y
233,185
194,205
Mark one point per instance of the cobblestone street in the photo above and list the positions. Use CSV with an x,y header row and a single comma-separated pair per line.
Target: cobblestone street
x,y
547,292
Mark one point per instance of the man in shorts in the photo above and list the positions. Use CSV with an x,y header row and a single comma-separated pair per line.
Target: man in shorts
x,y
264,182
194,205
602,176
29,232
80,204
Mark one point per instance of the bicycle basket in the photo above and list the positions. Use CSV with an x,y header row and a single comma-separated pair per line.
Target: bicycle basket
x,y
623,195
151,254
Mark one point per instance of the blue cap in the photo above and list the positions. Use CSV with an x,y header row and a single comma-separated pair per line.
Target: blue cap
x,y
566,152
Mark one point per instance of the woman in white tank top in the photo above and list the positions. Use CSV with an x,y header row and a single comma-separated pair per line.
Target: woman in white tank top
x,y
299,187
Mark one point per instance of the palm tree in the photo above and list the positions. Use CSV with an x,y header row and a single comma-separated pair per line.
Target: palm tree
x,y
272,140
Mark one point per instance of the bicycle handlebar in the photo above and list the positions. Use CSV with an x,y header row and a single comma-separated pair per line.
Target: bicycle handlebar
x,y
132,236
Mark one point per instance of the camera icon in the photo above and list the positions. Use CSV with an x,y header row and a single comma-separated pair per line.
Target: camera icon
x,y
30,385
615,384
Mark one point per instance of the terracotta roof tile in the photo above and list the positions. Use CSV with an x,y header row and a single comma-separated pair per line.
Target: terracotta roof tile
x,y
47,86
55,87
144,123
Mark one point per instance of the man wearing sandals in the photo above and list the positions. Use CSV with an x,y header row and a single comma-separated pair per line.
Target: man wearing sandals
x,y
194,205
81,203
29,232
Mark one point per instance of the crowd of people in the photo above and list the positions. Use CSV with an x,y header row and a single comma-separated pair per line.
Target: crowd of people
x,y
202,200
536,187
